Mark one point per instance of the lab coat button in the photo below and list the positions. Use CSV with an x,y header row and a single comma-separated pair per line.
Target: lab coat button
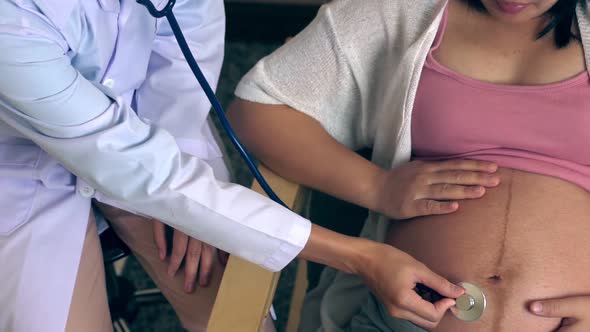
x,y
109,83
87,192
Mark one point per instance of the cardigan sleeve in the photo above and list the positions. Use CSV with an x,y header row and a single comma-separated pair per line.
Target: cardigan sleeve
x,y
312,74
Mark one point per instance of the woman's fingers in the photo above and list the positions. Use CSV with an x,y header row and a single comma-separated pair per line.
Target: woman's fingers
x,y
464,165
452,191
179,246
191,264
569,307
466,178
160,238
451,185
206,268
426,207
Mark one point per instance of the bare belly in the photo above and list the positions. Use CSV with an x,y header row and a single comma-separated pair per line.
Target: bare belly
x,y
524,240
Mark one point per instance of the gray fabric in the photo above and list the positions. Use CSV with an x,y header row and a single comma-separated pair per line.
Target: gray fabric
x,y
373,317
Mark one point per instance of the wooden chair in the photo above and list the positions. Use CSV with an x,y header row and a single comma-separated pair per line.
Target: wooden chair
x,y
246,290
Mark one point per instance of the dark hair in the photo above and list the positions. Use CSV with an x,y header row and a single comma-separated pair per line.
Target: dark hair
x,y
562,17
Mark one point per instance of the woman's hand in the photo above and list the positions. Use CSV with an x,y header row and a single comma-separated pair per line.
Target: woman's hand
x,y
197,256
421,188
393,275
574,312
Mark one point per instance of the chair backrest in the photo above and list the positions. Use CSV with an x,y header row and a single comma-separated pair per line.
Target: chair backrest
x,y
246,292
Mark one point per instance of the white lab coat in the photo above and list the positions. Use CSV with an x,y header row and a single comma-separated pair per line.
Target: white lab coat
x,y
90,92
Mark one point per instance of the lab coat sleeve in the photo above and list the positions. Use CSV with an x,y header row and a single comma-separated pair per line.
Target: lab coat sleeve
x,y
171,96
101,140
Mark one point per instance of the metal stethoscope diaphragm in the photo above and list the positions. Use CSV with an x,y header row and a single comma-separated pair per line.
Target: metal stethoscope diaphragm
x,y
470,306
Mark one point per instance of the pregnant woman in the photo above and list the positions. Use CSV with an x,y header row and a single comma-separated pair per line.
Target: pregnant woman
x,y
443,92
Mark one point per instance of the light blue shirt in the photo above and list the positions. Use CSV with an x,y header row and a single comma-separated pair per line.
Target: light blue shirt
x,y
102,88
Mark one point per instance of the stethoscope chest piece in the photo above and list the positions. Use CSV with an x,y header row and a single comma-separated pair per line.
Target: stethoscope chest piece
x,y
471,305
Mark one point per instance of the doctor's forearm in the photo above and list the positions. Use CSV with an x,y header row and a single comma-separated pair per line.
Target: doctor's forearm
x,y
345,253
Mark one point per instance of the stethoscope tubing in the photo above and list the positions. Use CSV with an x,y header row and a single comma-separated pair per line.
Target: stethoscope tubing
x,y
194,66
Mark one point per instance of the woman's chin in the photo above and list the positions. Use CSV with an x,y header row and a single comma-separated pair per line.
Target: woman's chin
x,y
516,12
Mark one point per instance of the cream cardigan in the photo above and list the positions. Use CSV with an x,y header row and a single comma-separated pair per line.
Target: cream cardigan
x,y
356,69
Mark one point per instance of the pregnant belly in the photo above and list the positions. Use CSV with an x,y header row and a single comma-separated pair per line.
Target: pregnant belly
x,y
525,240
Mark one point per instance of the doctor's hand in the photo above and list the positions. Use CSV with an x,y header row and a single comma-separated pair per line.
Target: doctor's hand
x,y
420,188
198,257
574,312
393,275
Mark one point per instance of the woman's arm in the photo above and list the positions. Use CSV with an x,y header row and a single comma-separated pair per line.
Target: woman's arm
x,y
296,146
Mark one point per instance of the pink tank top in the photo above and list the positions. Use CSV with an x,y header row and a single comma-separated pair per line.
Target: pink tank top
x,y
543,129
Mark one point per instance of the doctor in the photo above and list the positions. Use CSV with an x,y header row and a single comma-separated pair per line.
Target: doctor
x,y
97,104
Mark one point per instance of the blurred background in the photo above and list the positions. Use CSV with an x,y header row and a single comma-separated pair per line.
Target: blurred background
x,y
255,28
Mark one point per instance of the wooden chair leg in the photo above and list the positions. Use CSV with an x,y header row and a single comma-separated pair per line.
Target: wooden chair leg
x,y
244,298
299,290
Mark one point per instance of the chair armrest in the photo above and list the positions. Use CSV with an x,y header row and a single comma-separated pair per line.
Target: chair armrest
x,y
246,291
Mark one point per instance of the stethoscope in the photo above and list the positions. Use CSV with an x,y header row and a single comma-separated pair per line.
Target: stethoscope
x,y
469,307
167,12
